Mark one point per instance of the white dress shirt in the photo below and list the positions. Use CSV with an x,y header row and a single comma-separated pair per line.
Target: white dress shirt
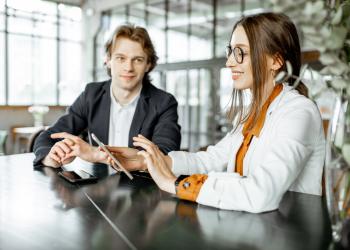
x,y
120,120
288,155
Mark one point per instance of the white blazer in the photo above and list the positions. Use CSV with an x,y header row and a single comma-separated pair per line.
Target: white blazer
x,y
288,155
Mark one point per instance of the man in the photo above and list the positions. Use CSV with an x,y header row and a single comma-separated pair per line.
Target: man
x,y
115,110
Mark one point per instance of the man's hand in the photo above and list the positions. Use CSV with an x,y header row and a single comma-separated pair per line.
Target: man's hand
x,y
58,154
128,157
80,148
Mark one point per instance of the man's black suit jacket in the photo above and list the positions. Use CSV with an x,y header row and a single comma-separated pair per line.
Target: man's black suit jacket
x,y
155,118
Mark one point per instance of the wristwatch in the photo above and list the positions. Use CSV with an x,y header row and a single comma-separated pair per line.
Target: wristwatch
x,y
178,180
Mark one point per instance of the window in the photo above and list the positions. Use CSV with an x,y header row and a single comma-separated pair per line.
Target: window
x,y
2,70
37,30
2,18
201,27
20,69
178,37
156,27
70,84
70,27
30,81
137,14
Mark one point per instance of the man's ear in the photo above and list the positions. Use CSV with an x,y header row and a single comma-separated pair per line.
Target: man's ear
x,y
148,67
107,61
277,62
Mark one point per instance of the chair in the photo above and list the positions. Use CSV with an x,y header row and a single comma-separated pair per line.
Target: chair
x,y
3,138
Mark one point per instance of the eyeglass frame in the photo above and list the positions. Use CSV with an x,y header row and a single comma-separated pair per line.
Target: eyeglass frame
x,y
229,51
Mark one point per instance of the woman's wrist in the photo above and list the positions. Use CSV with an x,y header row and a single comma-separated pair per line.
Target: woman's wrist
x,y
168,161
169,185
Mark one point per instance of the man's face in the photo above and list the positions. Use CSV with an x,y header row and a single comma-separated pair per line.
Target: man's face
x,y
128,64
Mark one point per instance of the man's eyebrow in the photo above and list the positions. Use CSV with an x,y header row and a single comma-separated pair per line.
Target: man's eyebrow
x,y
135,57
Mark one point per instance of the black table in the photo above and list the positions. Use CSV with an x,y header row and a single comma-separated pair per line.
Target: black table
x,y
40,210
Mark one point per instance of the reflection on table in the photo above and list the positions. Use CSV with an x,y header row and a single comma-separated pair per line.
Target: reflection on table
x,y
40,210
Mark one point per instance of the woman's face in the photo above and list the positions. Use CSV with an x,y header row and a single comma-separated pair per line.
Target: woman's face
x,y
241,73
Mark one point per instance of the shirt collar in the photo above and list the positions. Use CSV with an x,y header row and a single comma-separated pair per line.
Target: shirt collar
x,y
132,102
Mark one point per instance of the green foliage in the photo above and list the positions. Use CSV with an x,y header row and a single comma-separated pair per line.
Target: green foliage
x,y
327,29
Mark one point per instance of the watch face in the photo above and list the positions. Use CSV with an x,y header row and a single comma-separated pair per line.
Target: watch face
x,y
179,179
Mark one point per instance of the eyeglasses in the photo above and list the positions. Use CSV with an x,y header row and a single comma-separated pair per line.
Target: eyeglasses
x,y
238,53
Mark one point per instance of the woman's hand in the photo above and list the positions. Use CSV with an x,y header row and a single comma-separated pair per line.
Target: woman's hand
x,y
157,164
128,157
79,147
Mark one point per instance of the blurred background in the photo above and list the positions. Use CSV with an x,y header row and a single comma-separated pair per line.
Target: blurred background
x,y
51,49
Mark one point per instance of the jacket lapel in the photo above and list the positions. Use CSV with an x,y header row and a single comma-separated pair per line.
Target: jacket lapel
x,y
140,113
103,130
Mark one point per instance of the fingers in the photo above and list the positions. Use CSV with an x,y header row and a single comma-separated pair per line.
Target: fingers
x,y
148,159
64,135
54,157
146,144
66,145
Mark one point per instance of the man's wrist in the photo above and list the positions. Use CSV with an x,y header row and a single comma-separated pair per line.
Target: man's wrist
x,y
49,162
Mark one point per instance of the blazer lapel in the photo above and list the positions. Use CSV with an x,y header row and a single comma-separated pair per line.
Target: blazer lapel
x,y
139,117
104,115
140,114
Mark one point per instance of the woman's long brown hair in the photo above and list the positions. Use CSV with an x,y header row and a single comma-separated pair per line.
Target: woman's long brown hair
x,y
268,34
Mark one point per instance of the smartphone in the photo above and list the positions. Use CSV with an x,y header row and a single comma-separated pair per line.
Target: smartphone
x,y
120,166
77,176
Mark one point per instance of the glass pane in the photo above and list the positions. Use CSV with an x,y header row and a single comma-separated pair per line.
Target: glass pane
x,y
117,18
177,85
70,23
20,22
2,70
44,71
33,6
201,40
178,31
72,13
204,107
2,10
2,22
20,69
227,15
70,84
156,27
156,79
45,25
137,14
102,37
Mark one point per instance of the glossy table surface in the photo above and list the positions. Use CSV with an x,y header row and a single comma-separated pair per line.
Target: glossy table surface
x,y
40,210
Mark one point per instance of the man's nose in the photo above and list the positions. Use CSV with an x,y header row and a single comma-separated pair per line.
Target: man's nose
x,y
128,65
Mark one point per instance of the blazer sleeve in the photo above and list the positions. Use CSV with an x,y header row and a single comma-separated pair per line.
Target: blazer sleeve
x,y
73,122
167,130
262,190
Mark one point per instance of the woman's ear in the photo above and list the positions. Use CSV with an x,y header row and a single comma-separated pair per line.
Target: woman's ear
x,y
277,62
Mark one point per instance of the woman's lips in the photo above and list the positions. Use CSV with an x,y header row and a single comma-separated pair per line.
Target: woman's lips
x,y
236,75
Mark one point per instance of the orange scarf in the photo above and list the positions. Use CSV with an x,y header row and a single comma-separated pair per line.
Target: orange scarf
x,y
255,131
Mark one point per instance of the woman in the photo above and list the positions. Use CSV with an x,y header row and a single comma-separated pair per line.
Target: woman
x,y
277,143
